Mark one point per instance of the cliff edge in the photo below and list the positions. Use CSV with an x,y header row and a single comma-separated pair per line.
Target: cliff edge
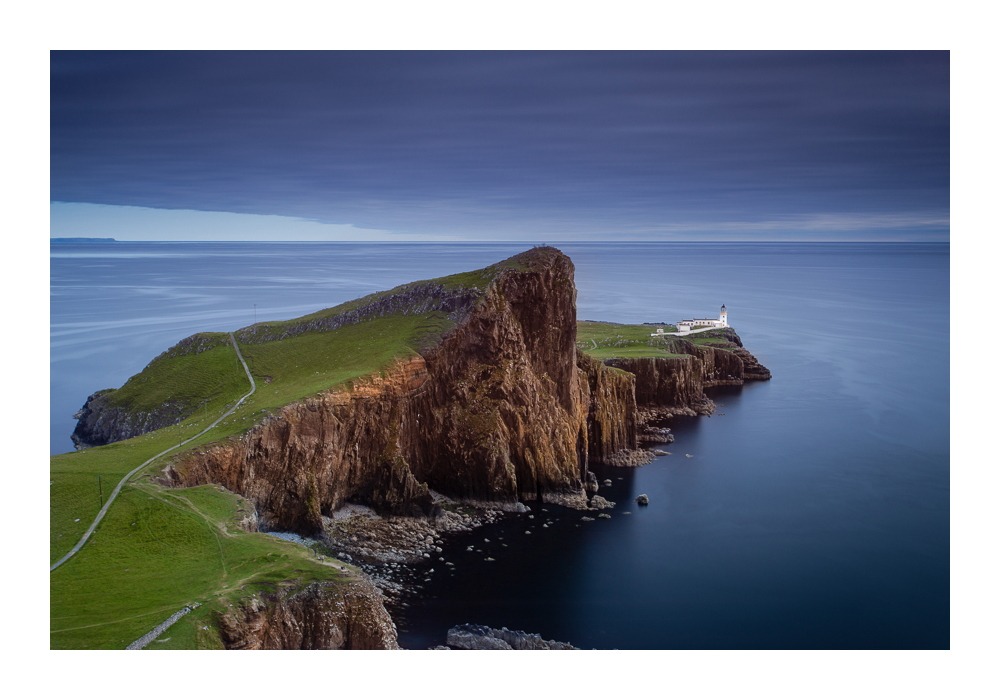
x,y
499,409
485,396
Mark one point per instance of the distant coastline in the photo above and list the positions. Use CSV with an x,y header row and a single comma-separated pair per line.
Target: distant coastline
x,y
82,240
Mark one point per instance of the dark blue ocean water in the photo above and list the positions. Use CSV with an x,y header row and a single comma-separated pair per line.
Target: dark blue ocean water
x,y
813,514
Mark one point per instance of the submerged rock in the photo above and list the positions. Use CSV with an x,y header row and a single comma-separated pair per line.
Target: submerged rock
x,y
642,499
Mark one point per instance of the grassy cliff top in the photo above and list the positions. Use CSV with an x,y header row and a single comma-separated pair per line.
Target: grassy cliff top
x,y
605,340
304,355
451,298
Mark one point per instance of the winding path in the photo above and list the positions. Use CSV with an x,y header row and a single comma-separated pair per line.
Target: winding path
x,y
93,525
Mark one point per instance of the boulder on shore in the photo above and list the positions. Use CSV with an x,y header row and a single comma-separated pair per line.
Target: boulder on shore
x,y
483,637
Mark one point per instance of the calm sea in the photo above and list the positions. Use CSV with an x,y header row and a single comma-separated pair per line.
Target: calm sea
x,y
812,513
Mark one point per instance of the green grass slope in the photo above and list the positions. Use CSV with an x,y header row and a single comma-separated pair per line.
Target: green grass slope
x,y
158,550
608,340
186,378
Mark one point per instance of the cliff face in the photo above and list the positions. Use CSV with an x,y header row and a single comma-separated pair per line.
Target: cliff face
x,y
500,410
675,383
678,384
318,617
611,412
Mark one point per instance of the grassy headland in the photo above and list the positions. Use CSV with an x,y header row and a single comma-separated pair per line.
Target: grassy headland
x,y
158,549
605,340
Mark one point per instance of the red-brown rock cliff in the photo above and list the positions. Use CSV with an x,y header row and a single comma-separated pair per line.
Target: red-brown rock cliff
x,y
502,409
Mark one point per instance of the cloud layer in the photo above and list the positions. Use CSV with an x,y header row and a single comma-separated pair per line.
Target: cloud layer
x,y
693,145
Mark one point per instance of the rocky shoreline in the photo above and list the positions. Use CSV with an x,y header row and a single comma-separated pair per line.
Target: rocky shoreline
x,y
390,550
397,553
480,637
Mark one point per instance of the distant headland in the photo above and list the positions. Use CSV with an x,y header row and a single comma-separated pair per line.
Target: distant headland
x,y
82,240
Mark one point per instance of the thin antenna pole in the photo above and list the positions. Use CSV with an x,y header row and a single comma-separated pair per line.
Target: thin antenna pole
x,y
255,314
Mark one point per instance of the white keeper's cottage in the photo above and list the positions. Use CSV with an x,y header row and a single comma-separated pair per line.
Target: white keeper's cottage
x,y
690,324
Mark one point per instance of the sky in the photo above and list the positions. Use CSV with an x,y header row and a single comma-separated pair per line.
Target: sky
x,y
512,146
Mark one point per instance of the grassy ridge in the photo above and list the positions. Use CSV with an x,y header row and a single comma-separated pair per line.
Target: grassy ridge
x,y
309,363
184,381
203,385
477,280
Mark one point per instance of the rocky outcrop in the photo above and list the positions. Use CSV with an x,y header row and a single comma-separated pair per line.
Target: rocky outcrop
x,y
752,369
676,385
483,637
501,410
100,422
599,503
324,615
630,458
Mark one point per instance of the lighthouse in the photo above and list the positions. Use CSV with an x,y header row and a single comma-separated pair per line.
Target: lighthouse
x,y
723,321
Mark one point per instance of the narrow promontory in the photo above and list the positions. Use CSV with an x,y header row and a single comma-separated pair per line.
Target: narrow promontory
x,y
488,399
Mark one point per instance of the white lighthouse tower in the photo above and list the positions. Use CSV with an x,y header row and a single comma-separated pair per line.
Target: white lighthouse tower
x,y
723,319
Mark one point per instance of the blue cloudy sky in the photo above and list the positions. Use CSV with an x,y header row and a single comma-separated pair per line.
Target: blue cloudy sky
x,y
540,147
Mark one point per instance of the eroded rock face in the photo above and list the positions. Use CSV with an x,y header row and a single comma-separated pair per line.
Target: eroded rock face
x,y
677,383
611,412
501,410
321,616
